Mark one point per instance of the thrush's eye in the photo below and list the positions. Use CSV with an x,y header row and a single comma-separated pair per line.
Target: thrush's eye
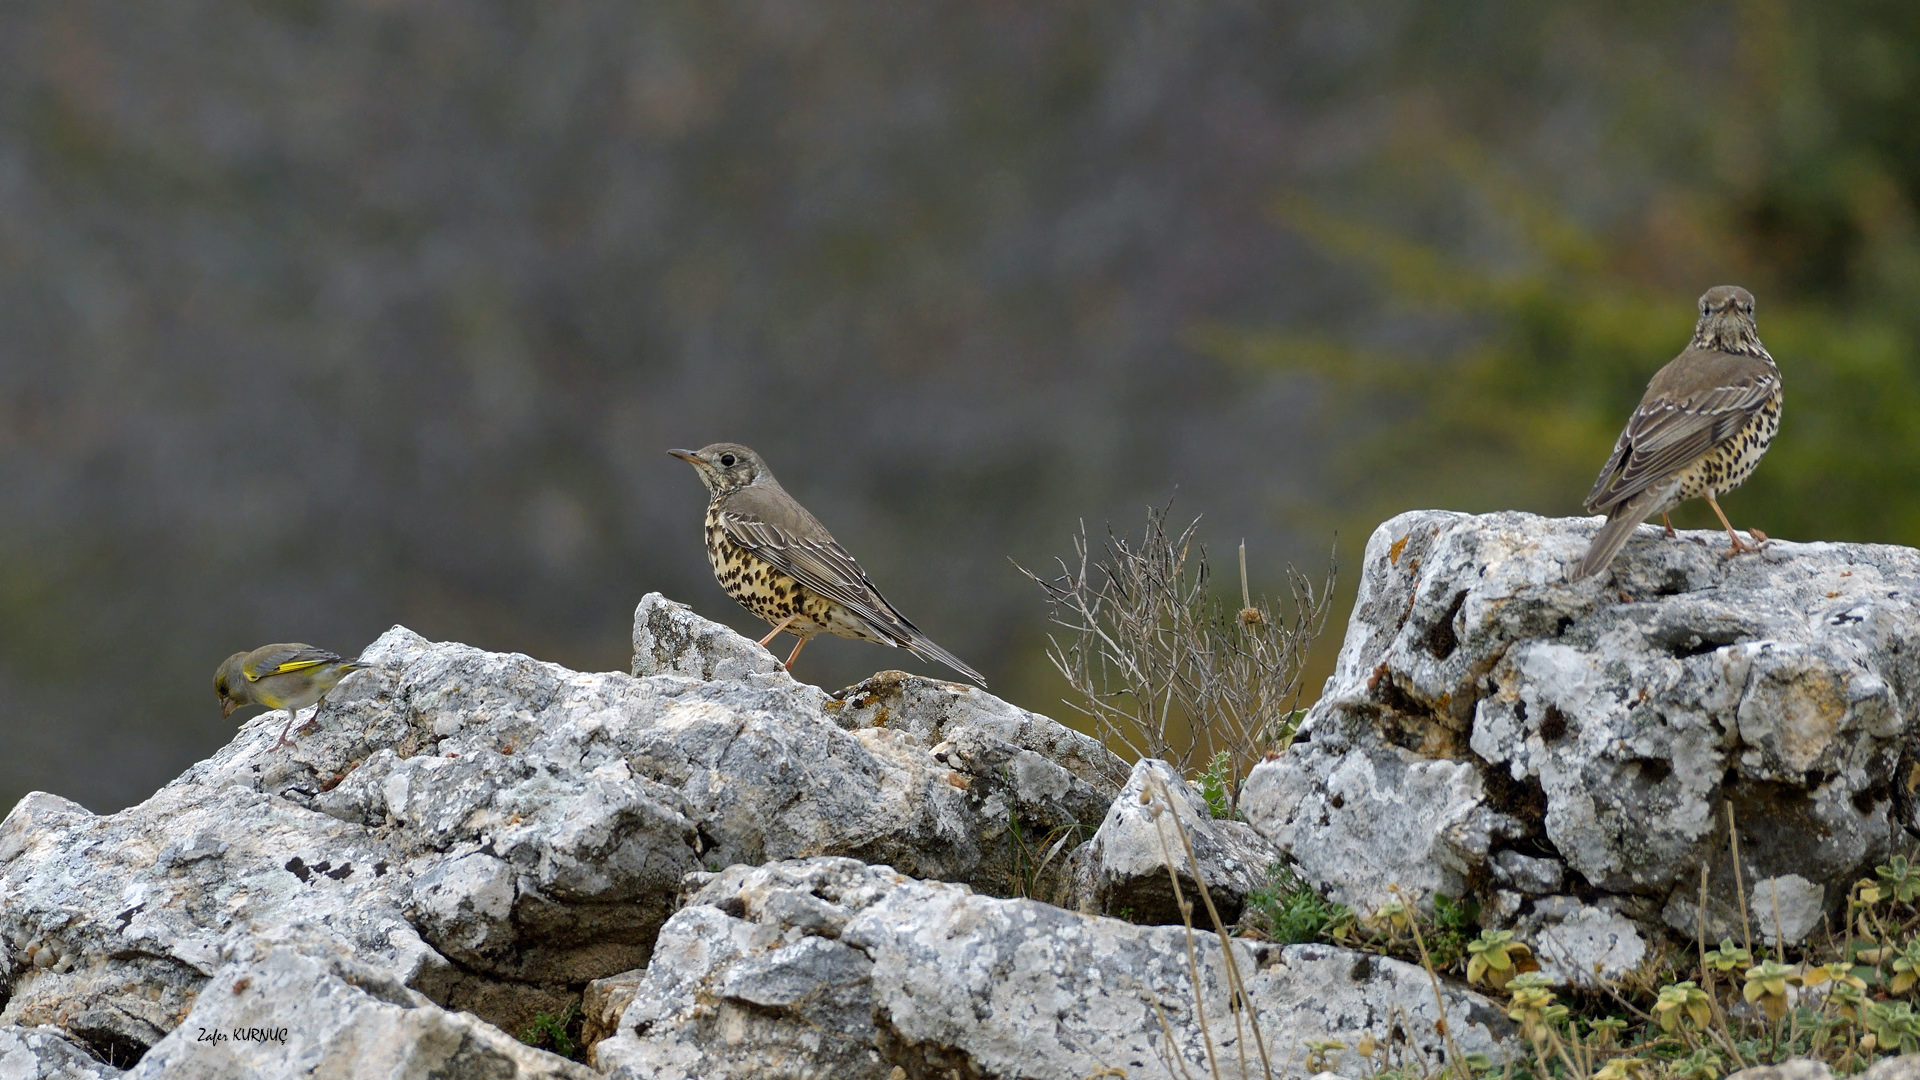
x,y
727,460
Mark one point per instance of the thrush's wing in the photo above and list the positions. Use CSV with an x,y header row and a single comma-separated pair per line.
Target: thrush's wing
x,y
802,549
820,564
285,659
1694,404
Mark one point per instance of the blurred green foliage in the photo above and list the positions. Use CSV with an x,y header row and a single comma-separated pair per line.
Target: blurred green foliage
x,y
1516,324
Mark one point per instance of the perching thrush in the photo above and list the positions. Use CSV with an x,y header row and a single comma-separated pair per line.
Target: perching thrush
x,y
1706,419
781,564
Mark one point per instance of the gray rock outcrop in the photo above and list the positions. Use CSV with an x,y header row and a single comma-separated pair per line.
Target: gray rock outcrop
x,y
1570,755
1123,870
46,1053
495,832
831,967
311,1010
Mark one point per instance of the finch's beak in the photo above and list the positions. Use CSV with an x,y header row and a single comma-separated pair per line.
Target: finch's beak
x,y
687,456
227,705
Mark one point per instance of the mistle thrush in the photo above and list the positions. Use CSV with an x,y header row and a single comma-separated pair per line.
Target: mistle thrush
x,y
1706,419
781,564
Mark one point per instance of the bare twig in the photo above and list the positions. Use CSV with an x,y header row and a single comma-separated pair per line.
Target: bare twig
x,y
1236,983
1165,668
1454,1061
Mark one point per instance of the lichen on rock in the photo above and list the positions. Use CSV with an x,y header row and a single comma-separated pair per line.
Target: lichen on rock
x,y
1494,731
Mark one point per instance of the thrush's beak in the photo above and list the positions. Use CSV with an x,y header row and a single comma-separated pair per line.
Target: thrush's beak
x,y
227,705
687,456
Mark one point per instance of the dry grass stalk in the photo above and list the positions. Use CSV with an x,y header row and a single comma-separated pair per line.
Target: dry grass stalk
x,y
1238,1003
1161,665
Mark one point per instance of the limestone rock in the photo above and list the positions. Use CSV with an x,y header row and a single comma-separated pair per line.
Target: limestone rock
x,y
1125,864
1790,901
936,712
1483,705
496,832
45,1053
143,906
1581,944
830,967
1791,1069
1904,1067
284,1012
669,639
603,1003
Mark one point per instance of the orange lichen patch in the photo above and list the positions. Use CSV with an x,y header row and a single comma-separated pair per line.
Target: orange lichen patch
x,y
334,781
1393,553
959,781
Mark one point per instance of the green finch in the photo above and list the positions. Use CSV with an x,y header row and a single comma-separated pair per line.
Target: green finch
x,y
287,676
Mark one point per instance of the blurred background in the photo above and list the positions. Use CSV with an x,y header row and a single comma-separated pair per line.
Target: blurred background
x,y
318,317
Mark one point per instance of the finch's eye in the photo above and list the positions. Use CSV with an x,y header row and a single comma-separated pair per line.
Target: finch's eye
x,y
727,460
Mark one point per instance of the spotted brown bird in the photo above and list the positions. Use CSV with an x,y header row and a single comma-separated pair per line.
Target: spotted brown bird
x,y
1699,432
781,564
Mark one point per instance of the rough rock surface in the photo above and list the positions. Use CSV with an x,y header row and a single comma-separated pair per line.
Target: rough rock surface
x,y
603,1003
309,1010
495,832
45,1053
1122,871
1906,1067
1492,729
830,967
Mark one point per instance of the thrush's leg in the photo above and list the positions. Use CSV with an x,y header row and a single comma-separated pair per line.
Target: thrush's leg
x,y
1737,547
795,655
779,626
1664,520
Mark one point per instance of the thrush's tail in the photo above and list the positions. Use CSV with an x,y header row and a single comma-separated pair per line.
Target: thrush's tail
x,y
923,647
1613,535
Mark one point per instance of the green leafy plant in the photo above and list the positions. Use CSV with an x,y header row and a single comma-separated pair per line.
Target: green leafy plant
x,y
1682,1001
1533,1006
1766,985
1728,957
1216,785
1906,968
1623,1068
1894,1026
1901,879
1287,909
1323,1054
1453,921
559,1034
1701,1064
1495,958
